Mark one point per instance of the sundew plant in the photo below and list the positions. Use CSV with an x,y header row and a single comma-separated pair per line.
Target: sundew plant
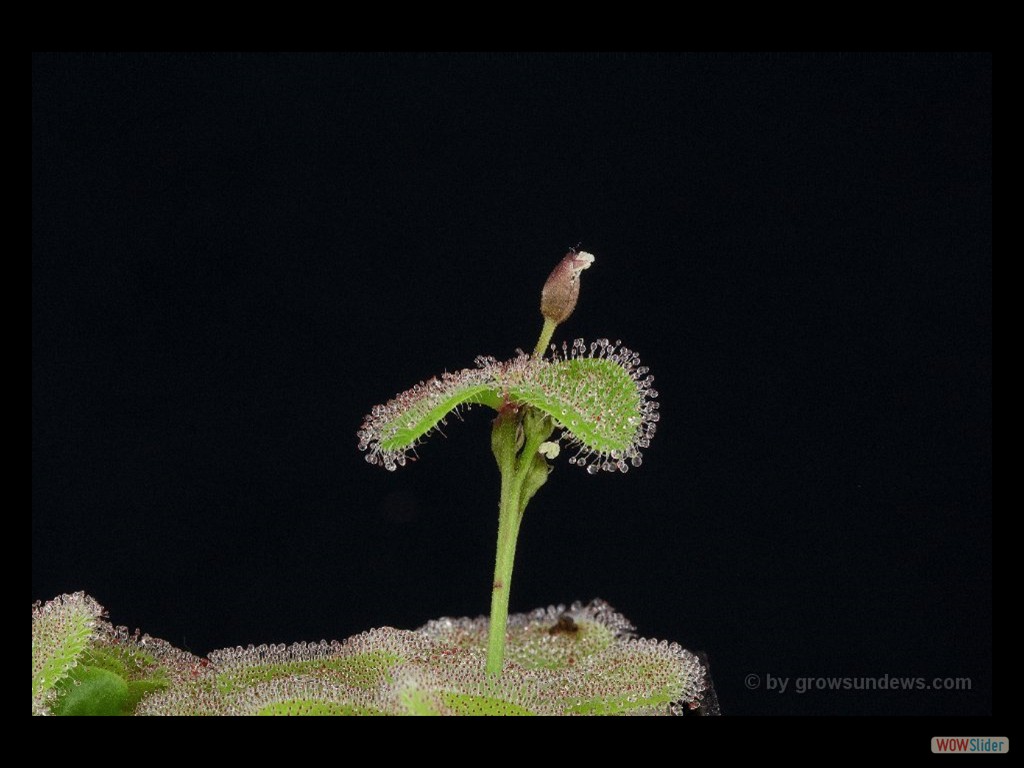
x,y
591,405
597,399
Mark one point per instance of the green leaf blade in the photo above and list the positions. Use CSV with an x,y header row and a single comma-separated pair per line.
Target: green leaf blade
x,y
61,632
389,432
93,691
602,399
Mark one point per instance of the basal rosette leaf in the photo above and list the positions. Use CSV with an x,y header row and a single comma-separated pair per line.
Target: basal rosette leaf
x,y
576,660
581,659
81,665
635,675
455,682
552,638
61,631
307,695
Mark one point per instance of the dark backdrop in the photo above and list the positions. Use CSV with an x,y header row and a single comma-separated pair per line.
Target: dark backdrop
x,y
234,257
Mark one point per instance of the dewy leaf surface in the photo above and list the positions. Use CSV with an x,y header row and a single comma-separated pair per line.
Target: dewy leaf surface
x,y
61,631
581,659
599,395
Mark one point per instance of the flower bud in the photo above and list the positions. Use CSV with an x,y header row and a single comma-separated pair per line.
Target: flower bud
x,y
562,289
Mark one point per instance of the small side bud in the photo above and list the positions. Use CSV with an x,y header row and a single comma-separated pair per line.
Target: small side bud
x,y
562,289
549,450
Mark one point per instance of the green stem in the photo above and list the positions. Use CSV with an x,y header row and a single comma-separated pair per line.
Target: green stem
x,y
522,473
545,337
509,518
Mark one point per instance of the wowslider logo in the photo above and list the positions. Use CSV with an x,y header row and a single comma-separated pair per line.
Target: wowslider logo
x,y
976,745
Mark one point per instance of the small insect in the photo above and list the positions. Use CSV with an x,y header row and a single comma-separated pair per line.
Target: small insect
x,y
564,626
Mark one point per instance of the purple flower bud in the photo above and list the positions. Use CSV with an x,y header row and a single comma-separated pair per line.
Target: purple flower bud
x,y
558,299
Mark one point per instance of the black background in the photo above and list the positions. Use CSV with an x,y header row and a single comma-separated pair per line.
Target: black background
x,y
236,256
